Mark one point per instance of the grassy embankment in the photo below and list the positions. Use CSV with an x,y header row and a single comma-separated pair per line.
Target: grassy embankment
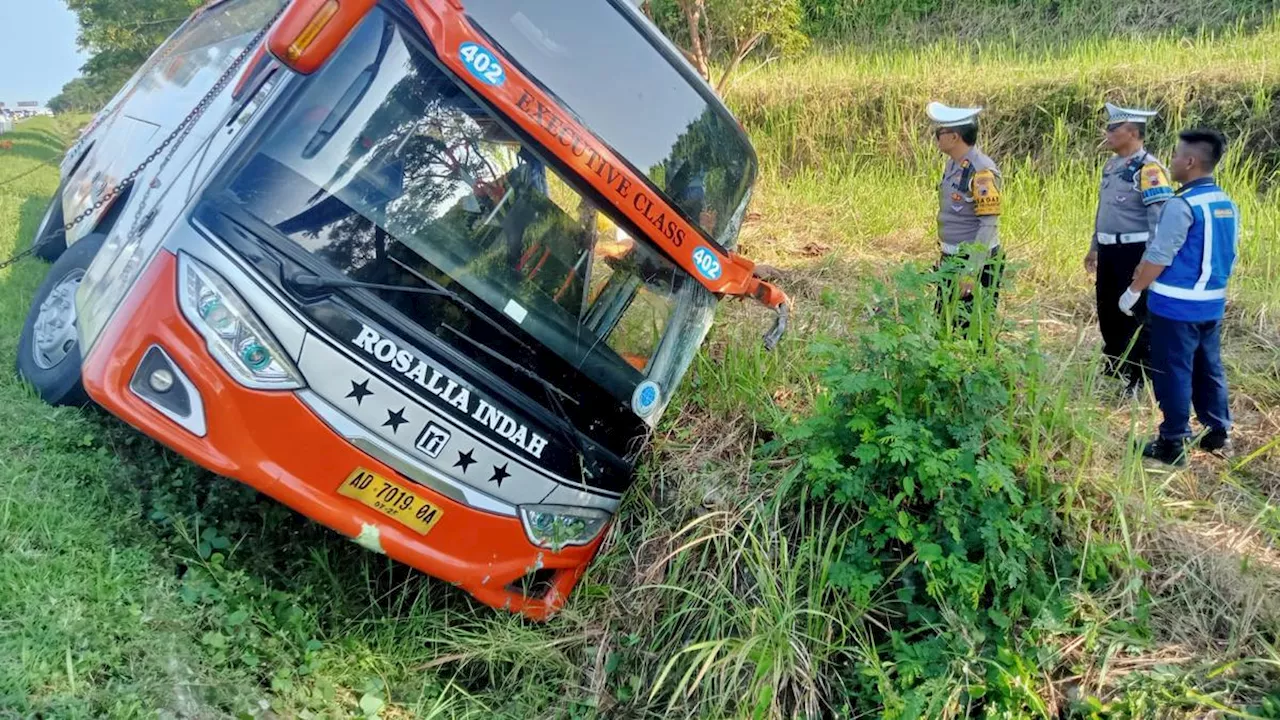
x,y
131,582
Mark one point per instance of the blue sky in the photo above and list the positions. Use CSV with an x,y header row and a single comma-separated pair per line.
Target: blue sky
x,y
38,52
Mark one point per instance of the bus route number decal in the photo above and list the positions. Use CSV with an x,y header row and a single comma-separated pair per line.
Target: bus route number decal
x,y
482,64
707,263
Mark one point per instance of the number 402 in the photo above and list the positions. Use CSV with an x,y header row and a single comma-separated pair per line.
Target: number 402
x,y
483,64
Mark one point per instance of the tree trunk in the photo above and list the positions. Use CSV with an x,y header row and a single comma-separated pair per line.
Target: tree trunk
x,y
694,12
744,49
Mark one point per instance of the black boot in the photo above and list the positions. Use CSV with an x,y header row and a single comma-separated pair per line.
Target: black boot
x,y
1169,452
1216,441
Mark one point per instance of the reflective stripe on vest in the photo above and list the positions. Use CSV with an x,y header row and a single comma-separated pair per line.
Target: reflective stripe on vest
x,y
1202,203
1193,287
1185,294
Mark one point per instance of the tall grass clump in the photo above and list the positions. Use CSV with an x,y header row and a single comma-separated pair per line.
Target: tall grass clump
x,y
759,631
939,442
1031,21
1041,100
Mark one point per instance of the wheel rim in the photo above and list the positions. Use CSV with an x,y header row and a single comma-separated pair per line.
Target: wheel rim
x,y
55,334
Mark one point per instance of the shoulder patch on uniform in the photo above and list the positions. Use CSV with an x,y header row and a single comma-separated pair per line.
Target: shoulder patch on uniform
x,y
986,193
1153,183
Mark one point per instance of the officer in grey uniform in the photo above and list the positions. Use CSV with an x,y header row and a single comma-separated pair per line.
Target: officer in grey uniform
x,y
1135,186
969,205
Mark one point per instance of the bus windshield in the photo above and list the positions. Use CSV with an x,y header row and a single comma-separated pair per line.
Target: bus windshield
x,y
383,167
599,65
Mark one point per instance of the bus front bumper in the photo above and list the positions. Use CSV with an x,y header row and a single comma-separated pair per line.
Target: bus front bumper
x,y
273,442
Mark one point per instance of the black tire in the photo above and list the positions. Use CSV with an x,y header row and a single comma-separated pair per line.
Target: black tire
x,y
55,375
50,240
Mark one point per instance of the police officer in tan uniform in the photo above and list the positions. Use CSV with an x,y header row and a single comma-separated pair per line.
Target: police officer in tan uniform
x,y
969,204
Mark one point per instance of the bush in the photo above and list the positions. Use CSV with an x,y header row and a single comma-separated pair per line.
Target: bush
x,y
919,434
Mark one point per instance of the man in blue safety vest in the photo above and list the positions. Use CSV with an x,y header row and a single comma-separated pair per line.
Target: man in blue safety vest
x,y
1185,269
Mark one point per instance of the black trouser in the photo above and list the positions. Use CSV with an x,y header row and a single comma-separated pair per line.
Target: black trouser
x,y
952,267
1116,264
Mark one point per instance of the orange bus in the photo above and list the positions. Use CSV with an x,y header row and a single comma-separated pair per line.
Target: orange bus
x,y
427,271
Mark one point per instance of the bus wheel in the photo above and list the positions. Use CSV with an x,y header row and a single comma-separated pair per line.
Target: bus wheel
x,y
51,237
49,347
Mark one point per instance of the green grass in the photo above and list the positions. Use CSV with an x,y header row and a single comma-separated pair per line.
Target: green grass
x,y
849,180
876,210
1030,22
133,584
1004,64
848,160
90,627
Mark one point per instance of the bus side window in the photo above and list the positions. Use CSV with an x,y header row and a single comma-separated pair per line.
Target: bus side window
x,y
206,45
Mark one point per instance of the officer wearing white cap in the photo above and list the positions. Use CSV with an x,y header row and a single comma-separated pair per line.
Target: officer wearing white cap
x,y
1135,186
969,201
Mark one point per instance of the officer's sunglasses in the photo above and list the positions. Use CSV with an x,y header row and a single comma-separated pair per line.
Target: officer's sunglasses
x,y
937,134
1115,126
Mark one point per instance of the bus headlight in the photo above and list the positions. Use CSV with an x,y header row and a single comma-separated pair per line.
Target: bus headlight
x,y
235,336
555,527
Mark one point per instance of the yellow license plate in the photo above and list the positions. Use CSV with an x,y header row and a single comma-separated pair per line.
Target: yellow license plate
x,y
392,499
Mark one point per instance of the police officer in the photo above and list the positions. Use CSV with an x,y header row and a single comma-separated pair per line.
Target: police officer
x,y
1186,268
1134,188
969,204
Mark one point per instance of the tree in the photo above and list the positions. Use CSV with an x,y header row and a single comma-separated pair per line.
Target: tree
x,y
129,29
120,35
729,31
79,95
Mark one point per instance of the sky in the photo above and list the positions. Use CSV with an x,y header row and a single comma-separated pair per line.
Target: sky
x,y
38,52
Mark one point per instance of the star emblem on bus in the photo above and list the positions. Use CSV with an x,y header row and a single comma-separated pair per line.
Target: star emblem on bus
x,y
499,474
395,418
359,391
465,460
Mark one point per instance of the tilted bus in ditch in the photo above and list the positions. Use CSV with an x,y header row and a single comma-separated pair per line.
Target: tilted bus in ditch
x,y
427,271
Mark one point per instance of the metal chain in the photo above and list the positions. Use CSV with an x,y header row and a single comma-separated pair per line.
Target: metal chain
x,y
26,173
20,256
181,131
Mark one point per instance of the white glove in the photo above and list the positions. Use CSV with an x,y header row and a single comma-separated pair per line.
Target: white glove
x,y
1128,300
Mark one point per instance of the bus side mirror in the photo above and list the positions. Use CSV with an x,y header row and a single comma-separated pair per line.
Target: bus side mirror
x,y
310,31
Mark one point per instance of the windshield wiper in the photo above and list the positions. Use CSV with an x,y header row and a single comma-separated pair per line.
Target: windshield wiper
x,y
573,435
546,384
309,281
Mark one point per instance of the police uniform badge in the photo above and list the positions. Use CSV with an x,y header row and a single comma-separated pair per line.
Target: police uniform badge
x,y
1154,185
986,194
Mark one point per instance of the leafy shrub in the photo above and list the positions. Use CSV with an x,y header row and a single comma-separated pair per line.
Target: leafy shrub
x,y
917,433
